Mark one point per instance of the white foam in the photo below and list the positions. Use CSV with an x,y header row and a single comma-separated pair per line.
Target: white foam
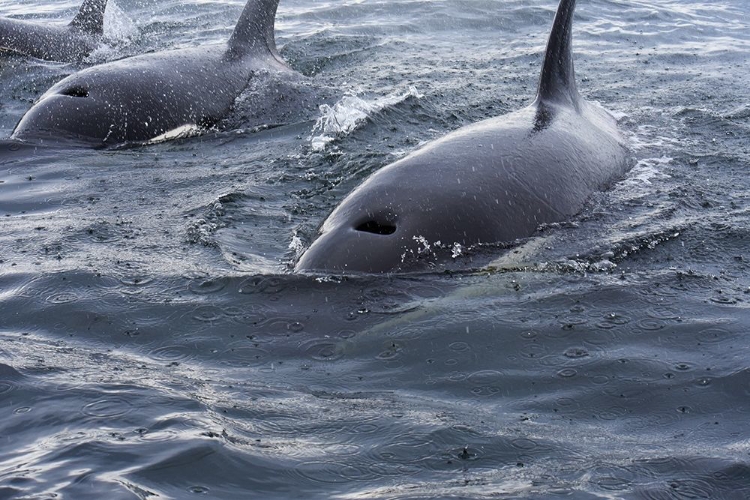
x,y
647,136
457,250
349,113
648,169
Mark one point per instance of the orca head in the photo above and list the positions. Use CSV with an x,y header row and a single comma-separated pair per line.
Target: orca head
x,y
88,110
71,112
406,218
357,239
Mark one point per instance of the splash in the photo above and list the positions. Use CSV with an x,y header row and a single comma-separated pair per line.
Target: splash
x,y
119,30
297,245
118,27
349,113
647,170
649,137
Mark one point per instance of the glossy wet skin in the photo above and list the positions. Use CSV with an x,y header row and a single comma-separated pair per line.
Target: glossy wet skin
x,y
55,43
516,175
143,97
67,43
491,182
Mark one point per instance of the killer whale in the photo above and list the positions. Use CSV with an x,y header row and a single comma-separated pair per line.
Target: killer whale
x,y
144,97
67,43
490,182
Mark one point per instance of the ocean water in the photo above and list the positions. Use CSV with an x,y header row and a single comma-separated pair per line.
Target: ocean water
x,y
154,342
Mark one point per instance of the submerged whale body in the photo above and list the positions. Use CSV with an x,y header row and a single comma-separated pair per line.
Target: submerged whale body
x,y
56,43
491,182
145,97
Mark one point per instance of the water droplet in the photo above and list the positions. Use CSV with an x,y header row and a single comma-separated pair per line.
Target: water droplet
x,y
650,324
208,314
576,352
295,326
703,381
567,373
323,350
170,353
63,298
458,346
207,286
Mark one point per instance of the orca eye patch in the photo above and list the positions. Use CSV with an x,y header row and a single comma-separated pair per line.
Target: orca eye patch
x,y
76,92
375,227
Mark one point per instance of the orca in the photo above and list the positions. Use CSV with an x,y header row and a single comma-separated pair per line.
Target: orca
x,y
492,182
149,96
69,43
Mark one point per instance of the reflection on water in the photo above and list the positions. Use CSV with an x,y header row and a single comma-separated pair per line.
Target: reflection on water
x,y
154,344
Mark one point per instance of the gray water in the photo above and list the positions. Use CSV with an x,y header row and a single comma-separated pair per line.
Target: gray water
x,y
154,343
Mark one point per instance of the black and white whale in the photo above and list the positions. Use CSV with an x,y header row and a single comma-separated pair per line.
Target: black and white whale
x,y
491,182
145,97
66,43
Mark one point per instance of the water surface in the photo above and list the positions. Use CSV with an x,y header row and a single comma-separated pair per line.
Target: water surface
x,y
154,343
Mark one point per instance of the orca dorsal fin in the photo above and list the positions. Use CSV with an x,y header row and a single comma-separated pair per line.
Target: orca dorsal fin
x,y
90,17
254,32
558,80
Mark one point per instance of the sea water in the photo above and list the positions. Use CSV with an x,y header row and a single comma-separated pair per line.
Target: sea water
x,y
155,344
